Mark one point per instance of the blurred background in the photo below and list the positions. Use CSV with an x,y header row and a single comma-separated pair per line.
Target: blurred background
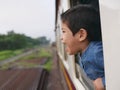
x,y
27,48
32,18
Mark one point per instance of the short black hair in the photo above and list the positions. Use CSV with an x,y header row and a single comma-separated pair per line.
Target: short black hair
x,y
86,17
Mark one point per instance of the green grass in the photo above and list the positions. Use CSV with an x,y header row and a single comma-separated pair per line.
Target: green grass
x,y
9,53
39,54
6,54
17,52
29,57
44,53
4,67
48,65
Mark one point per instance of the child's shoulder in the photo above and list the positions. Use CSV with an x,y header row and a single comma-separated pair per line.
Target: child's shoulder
x,y
93,50
96,46
98,53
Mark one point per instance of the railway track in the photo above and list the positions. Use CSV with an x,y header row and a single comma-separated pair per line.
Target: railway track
x,y
23,79
17,57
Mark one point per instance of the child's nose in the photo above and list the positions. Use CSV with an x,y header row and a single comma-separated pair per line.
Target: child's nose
x,y
61,38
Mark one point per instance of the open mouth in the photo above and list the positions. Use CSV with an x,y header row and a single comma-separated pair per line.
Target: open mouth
x,y
67,49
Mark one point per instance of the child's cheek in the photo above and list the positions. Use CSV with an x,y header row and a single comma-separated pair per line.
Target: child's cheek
x,y
67,50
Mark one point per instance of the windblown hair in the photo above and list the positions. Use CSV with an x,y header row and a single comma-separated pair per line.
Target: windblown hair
x,y
86,17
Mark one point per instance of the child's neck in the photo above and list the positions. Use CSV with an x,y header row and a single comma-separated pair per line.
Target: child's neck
x,y
84,46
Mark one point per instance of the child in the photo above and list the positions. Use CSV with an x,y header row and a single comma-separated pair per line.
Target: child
x,y
82,34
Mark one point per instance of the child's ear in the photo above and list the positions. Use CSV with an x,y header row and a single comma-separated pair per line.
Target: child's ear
x,y
82,34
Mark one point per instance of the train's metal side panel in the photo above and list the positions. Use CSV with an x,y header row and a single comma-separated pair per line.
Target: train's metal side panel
x,y
69,63
110,22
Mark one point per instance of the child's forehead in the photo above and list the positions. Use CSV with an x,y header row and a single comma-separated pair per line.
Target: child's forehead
x,y
64,27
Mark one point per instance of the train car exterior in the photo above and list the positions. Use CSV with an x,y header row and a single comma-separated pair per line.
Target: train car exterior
x,y
110,24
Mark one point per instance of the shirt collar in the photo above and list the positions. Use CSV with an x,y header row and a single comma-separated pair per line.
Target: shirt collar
x,y
88,49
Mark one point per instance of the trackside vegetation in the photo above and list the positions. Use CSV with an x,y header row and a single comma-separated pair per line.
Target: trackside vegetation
x,y
9,53
13,41
13,44
24,62
42,53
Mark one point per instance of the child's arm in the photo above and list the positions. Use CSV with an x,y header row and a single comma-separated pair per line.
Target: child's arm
x,y
98,84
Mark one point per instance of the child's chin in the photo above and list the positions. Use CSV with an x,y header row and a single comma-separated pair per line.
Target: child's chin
x,y
70,54
69,51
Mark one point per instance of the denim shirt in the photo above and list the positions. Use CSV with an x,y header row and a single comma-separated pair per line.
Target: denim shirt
x,y
91,60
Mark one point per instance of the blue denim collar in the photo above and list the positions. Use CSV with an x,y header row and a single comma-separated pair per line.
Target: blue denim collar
x,y
88,49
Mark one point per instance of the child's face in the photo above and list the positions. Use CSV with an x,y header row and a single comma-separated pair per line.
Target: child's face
x,y
71,42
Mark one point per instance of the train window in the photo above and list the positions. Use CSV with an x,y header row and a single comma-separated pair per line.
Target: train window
x,y
58,36
80,73
59,43
65,54
87,83
67,60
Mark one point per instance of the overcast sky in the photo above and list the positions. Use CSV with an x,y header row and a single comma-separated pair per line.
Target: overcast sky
x,y
30,17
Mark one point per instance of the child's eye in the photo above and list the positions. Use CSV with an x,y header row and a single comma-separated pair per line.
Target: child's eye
x,y
63,31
